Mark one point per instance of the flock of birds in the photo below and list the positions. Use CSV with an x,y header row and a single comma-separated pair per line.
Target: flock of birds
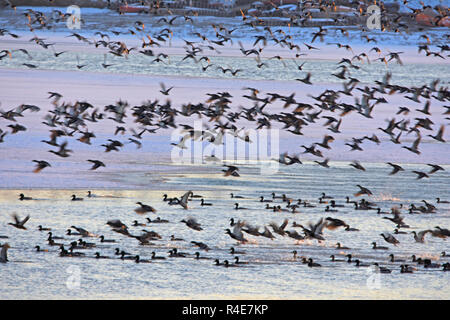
x,y
71,121
241,230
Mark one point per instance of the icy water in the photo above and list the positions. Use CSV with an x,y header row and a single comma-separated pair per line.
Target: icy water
x,y
271,272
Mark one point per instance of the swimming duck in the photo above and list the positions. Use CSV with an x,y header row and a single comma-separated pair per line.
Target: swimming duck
x,y
138,224
197,257
22,197
382,269
236,261
374,244
173,238
396,231
442,201
348,228
174,253
74,198
102,239
98,256
126,256
236,197
233,251
203,203
339,246
38,249
358,263
41,228
201,245
138,259
404,268
155,257
311,263
392,259
226,264
333,259
327,209
261,199
157,220
236,207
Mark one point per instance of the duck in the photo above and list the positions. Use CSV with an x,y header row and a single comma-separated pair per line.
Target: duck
x,y
102,239
311,263
404,268
261,199
38,249
339,246
334,205
420,236
157,220
98,256
392,259
234,251
138,224
22,197
91,195
74,198
217,263
233,196
444,254
236,207
118,252
41,228
358,263
69,232
193,224
327,209
144,208
175,254
428,264
155,257
348,228
226,264
19,224
396,231
126,256
236,261
442,201
390,238
173,238
382,269
138,259
333,259
52,242
203,203
197,256
374,244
